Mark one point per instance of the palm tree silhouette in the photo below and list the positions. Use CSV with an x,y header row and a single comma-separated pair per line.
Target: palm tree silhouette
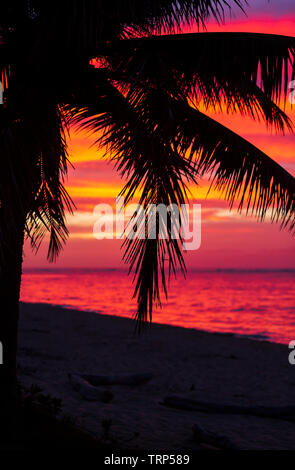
x,y
143,101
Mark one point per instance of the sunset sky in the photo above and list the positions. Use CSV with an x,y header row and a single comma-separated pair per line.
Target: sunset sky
x,y
229,240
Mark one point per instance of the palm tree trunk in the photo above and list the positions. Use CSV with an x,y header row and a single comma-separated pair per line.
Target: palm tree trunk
x,y
10,278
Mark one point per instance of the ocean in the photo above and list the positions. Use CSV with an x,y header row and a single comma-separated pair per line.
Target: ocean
x,y
256,304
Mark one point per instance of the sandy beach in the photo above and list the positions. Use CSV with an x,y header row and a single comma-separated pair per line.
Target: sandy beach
x,y
218,368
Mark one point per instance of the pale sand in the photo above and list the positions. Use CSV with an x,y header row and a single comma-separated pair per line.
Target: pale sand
x,y
220,368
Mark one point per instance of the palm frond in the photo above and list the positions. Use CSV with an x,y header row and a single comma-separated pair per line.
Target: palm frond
x,y
237,168
170,15
131,17
241,72
33,165
155,169
50,198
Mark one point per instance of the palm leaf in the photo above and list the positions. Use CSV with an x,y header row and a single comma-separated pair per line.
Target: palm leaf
x,y
151,167
243,72
33,165
50,198
237,168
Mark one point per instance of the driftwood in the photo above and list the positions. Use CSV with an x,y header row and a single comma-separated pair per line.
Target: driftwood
x,y
286,413
203,436
87,391
119,379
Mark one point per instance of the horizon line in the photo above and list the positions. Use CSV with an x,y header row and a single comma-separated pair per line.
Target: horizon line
x,y
125,270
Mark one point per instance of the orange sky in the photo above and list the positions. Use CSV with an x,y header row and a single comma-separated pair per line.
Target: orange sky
x,y
228,240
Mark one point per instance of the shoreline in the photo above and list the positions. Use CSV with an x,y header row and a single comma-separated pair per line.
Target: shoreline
x,y
213,367
251,337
